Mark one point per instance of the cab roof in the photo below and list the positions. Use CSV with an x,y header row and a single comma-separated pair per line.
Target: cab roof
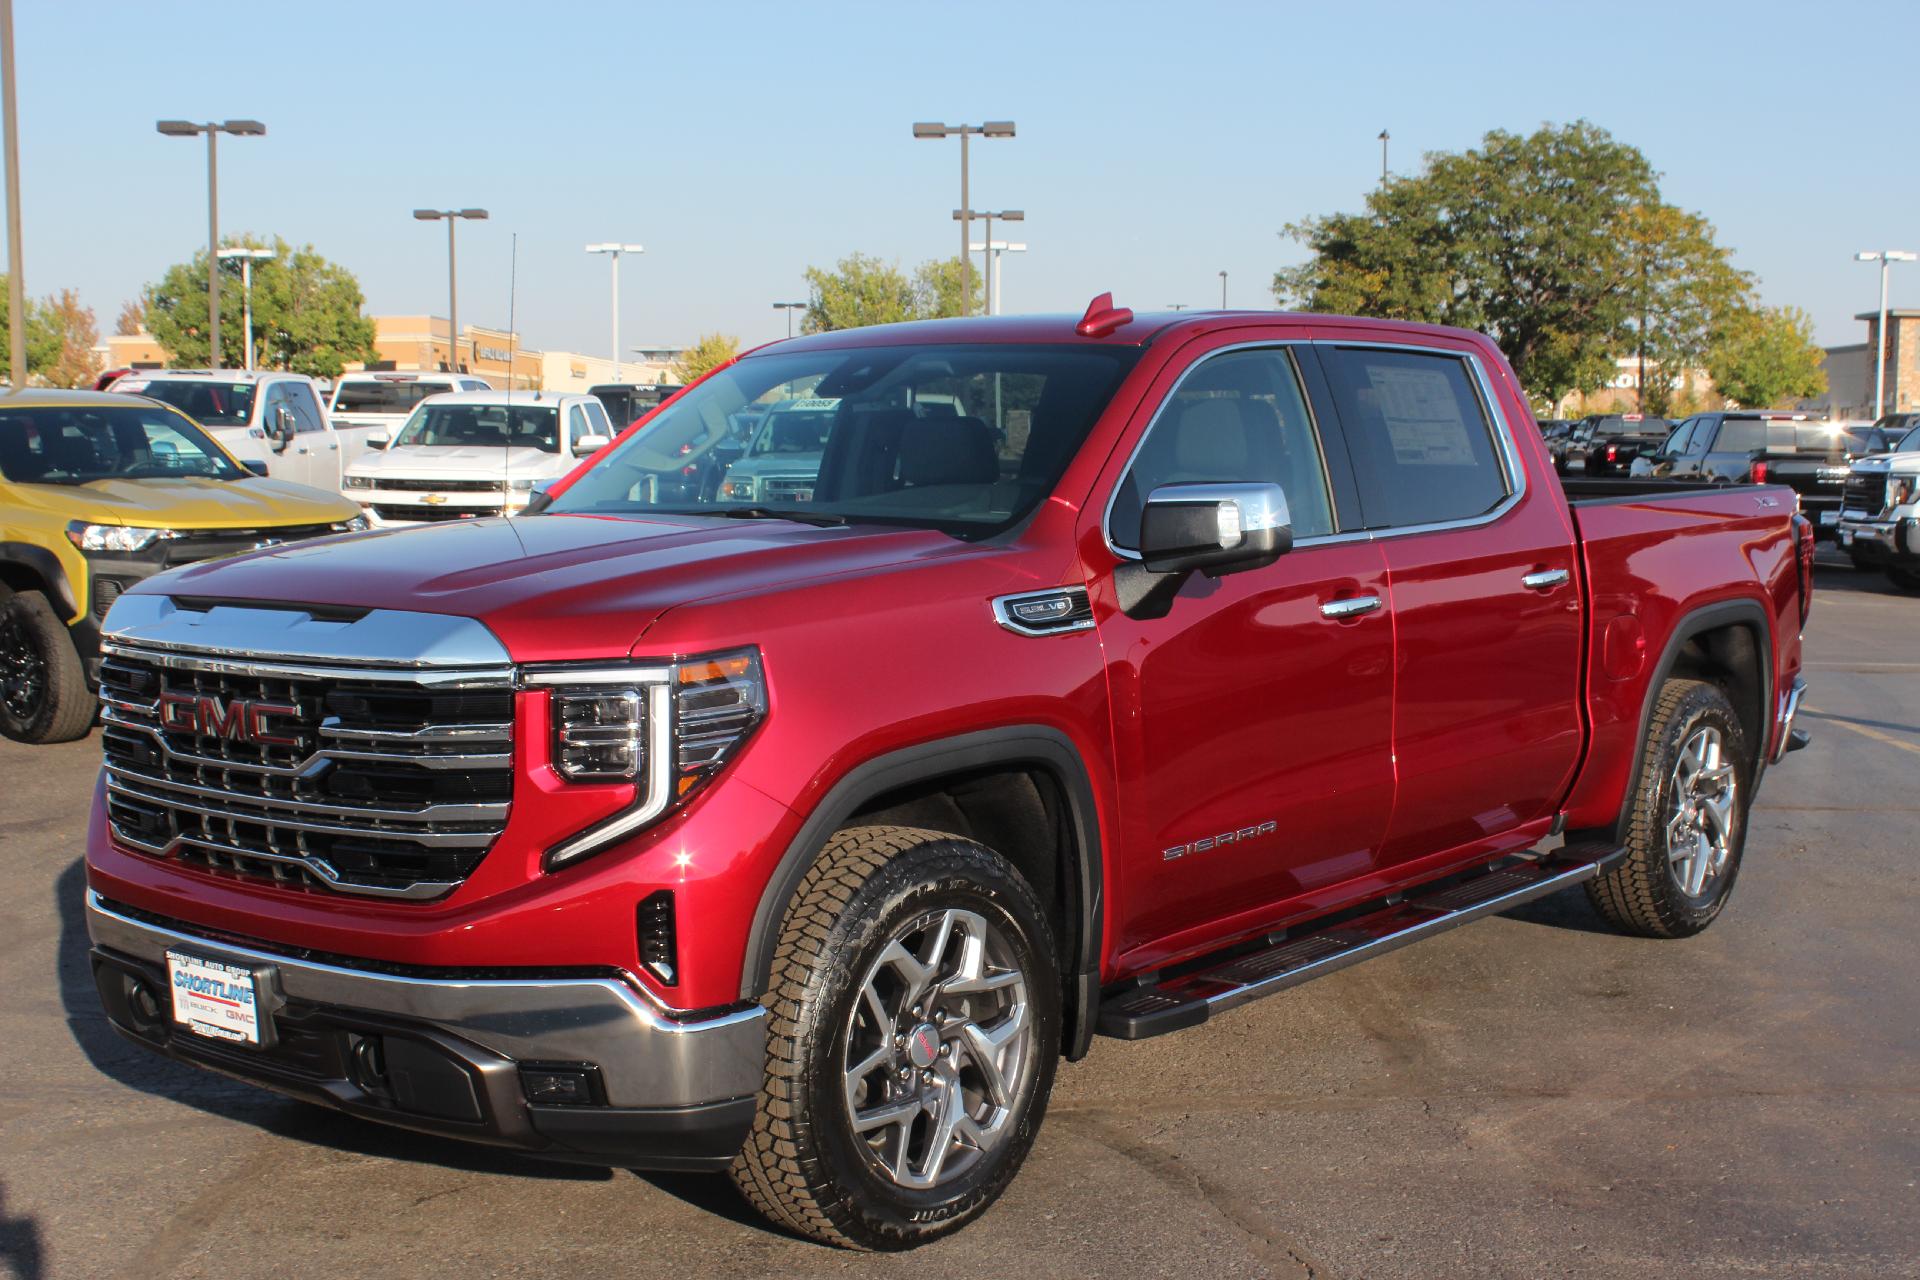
x,y
522,398
60,398
208,375
1138,331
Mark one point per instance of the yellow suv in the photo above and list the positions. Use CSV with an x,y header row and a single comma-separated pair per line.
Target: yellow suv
x,y
98,491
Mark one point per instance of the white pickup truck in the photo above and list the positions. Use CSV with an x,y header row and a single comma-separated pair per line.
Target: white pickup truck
x,y
380,400
268,419
474,453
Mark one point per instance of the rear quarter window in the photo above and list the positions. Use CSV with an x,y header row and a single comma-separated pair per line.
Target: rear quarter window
x,y
1423,448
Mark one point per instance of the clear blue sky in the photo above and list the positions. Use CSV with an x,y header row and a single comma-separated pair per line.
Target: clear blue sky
x,y
1158,144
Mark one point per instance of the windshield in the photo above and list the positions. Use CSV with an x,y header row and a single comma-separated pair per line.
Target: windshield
x,y
382,396
966,439
211,404
1908,442
532,426
79,444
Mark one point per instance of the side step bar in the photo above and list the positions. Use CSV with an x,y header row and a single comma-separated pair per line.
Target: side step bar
x,y
1188,996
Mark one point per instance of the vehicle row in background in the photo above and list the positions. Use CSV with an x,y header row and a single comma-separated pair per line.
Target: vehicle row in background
x,y
1760,446
98,492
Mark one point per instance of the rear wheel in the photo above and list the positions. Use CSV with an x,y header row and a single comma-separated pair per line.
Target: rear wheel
x,y
914,1032
1687,819
1860,561
43,688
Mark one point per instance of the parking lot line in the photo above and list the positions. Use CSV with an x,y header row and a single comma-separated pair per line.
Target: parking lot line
x,y
1865,731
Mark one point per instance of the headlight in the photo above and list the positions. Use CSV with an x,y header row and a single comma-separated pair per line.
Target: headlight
x,y
664,729
741,488
114,537
354,525
519,484
357,482
1900,490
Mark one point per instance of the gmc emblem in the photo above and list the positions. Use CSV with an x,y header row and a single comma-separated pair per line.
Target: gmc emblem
x,y
240,720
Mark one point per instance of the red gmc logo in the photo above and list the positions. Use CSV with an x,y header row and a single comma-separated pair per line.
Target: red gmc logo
x,y
240,720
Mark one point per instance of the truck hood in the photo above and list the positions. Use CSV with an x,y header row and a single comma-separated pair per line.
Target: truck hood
x,y
463,462
1883,463
199,502
555,587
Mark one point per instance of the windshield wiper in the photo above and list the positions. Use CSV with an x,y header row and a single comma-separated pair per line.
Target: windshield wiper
x,y
816,518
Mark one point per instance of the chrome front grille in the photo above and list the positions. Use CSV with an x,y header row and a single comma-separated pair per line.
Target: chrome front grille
x,y
427,484
339,777
1866,493
788,488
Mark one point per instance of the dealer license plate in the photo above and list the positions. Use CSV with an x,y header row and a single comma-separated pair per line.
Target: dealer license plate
x,y
214,999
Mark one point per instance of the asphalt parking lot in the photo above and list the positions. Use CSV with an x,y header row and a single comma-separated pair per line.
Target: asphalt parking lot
x,y
1531,1096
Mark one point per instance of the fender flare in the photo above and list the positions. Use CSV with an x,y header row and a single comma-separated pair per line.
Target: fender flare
x,y
1711,617
46,566
1025,744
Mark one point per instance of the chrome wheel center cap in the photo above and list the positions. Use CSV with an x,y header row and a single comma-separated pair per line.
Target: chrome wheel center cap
x,y
923,1046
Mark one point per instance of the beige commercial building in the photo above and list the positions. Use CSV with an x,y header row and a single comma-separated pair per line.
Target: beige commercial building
x,y
418,344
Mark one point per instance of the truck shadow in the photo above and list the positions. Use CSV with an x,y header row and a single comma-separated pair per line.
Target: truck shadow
x,y
1568,909
137,1068
20,1247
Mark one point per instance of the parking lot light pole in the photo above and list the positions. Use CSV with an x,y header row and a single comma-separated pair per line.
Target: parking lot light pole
x,y
246,258
213,129
16,280
1223,291
453,284
998,275
987,216
1886,258
789,308
991,129
615,250
1384,137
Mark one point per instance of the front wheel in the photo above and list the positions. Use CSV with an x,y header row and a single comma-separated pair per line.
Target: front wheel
x,y
914,1031
1687,817
43,687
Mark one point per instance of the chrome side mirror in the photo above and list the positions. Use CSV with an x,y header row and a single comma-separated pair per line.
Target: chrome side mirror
x,y
1214,529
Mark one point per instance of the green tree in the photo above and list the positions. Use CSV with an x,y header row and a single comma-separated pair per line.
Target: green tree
x,y
76,364
709,351
936,289
1763,357
43,340
860,290
306,313
1551,243
1683,286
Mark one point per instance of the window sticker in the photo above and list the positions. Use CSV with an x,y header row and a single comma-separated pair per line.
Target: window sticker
x,y
1422,415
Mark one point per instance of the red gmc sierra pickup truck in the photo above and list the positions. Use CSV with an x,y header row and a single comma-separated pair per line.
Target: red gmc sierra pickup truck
x,y
1096,676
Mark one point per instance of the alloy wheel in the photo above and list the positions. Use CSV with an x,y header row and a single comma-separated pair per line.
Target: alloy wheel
x,y
23,670
1700,830
940,1048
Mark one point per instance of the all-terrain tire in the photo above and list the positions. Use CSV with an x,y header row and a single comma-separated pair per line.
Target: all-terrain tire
x,y
1644,894
804,1166
43,688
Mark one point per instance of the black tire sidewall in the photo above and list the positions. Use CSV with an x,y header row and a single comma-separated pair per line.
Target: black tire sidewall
x,y
1703,706
926,879
55,719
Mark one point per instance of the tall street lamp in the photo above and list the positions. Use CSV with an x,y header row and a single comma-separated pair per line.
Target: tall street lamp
x,y
246,258
996,248
963,215
1223,291
1384,136
453,284
789,308
213,129
16,280
615,250
991,129
1886,258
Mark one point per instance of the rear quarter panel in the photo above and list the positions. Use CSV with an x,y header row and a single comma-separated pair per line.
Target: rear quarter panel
x,y
1650,563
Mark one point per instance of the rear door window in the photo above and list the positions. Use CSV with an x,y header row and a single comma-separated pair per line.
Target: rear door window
x,y
1741,435
1422,445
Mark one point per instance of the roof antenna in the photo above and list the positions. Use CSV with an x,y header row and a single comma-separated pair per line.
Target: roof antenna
x,y
1102,317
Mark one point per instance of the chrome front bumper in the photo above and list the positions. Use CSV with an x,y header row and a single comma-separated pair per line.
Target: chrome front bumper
x,y
667,1093
1881,535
